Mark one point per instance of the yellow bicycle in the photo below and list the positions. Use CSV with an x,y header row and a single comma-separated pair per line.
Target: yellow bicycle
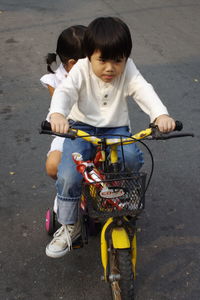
x,y
114,197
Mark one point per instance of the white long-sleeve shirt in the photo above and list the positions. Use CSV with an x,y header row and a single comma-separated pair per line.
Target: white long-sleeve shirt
x,y
82,96
54,79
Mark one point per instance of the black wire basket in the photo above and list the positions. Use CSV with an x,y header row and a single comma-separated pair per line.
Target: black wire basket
x,y
121,194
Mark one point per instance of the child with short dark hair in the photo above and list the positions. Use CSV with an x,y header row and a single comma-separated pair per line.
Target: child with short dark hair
x,y
93,98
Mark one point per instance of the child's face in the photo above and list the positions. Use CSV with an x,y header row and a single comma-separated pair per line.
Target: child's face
x,y
106,70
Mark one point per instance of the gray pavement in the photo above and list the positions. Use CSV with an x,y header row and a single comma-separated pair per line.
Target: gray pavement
x,y
166,48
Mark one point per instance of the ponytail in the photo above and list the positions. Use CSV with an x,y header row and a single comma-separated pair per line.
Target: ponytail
x,y
69,46
50,58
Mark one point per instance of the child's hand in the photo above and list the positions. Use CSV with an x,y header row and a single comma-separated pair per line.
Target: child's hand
x,y
59,123
165,123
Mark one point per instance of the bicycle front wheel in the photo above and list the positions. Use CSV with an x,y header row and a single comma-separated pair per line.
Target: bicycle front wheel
x,y
121,274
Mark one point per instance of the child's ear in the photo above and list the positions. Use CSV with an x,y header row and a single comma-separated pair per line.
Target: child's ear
x,y
71,62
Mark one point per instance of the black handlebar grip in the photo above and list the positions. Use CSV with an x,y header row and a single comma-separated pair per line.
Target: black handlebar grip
x,y
179,126
46,126
46,129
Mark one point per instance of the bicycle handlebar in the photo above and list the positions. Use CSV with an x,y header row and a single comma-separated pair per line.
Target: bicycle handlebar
x,y
157,135
151,133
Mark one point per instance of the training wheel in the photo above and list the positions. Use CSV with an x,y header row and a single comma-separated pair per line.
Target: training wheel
x,y
50,222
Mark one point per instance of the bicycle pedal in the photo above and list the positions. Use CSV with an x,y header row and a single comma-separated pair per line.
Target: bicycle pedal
x,y
77,244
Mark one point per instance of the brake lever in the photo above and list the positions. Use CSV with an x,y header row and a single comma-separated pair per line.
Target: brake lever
x,y
156,133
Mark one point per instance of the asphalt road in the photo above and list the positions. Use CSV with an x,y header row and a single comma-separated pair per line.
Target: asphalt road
x,y
166,48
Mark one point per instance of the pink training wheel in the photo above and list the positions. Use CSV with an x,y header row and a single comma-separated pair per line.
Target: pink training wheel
x,y
50,222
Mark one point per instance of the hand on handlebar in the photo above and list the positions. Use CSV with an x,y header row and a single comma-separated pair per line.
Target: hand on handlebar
x,y
165,123
59,123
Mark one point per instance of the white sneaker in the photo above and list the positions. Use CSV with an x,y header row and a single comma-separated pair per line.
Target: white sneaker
x,y
62,241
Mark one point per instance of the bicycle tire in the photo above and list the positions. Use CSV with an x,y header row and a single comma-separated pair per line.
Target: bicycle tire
x,y
119,263
50,222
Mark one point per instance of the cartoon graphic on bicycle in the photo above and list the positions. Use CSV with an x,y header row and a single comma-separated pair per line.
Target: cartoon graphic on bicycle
x,y
113,197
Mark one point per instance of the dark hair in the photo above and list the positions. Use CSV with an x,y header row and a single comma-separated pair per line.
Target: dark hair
x,y
111,36
69,46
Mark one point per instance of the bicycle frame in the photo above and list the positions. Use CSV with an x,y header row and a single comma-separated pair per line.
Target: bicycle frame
x,y
113,143
119,235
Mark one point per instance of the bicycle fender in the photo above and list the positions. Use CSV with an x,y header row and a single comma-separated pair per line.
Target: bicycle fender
x,y
134,254
120,238
104,247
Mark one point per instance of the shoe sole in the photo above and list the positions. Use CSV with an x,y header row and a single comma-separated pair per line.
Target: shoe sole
x,y
56,254
62,253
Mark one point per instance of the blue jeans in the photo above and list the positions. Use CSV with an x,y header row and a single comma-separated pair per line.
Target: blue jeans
x,y
69,180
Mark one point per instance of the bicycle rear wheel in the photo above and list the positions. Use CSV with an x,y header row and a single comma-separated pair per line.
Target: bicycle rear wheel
x,y
121,274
